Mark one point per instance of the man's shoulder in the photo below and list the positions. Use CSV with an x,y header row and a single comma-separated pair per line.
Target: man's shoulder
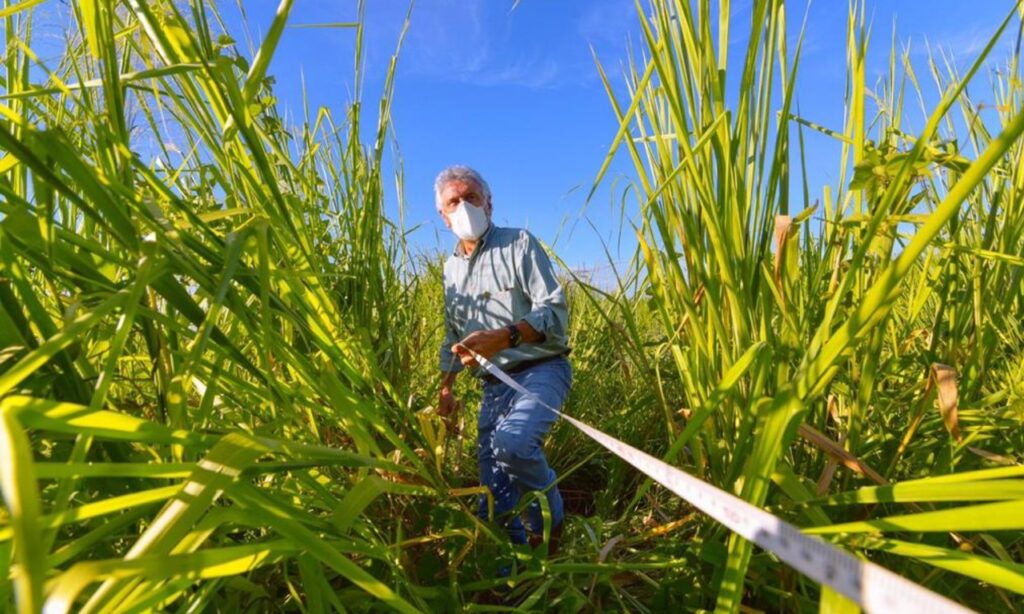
x,y
510,236
449,263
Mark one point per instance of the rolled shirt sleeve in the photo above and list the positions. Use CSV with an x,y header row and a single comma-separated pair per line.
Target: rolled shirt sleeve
x,y
550,313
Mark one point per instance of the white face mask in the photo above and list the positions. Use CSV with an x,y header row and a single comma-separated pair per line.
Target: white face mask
x,y
469,222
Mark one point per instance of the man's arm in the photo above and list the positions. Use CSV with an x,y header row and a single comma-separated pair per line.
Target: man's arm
x,y
549,316
446,403
487,343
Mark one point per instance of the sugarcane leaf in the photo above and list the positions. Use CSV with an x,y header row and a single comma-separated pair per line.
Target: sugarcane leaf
x,y
1003,516
1004,574
21,500
989,490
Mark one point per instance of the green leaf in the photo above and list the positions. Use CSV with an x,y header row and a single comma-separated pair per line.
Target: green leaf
x,y
327,553
21,498
989,490
1003,574
210,563
1005,516
17,8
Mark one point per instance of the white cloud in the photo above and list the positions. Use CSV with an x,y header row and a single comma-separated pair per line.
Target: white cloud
x,y
448,40
531,73
964,44
471,42
607,23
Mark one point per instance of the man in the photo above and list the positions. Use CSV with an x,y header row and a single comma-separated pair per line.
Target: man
x,y
502,301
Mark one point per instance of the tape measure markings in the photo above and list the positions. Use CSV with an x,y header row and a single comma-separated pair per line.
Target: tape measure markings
x,y
872,587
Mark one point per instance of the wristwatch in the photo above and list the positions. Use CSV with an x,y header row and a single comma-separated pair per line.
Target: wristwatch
x,y
514,336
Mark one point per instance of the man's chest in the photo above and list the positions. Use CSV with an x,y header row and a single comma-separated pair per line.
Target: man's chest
x,y
483,288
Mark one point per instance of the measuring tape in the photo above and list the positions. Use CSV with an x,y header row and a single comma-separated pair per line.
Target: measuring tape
x,y
873,588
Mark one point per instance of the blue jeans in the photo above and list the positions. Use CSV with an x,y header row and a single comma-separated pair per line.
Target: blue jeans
x,y
511,432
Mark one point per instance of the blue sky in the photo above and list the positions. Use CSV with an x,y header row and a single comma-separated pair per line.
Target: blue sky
x,y
515,93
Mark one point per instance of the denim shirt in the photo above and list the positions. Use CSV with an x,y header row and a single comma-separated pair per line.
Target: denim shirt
x,y
507,278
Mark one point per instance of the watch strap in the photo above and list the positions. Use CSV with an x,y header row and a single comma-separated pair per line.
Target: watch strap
x,y
514,336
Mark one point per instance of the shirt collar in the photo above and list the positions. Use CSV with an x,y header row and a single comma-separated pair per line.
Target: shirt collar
x,y
480,243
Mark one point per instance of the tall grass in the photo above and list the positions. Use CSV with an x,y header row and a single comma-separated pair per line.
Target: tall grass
x,y
779,328
200,358
216,354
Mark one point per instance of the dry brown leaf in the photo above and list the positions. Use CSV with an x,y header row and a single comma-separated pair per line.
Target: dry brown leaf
x,y
943,379
829,471
783,228
992,456
837,451
607,549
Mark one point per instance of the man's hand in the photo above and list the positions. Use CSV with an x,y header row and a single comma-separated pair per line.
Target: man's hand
x,y
448,408
487,343
446,403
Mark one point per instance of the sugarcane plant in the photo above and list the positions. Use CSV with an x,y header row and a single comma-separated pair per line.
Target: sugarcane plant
x,y
217,354
200,310
799,346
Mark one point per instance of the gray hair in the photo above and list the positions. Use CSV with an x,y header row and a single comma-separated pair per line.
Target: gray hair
x,y
459,173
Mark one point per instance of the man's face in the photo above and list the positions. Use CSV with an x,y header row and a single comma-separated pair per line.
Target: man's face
x,y
458,190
